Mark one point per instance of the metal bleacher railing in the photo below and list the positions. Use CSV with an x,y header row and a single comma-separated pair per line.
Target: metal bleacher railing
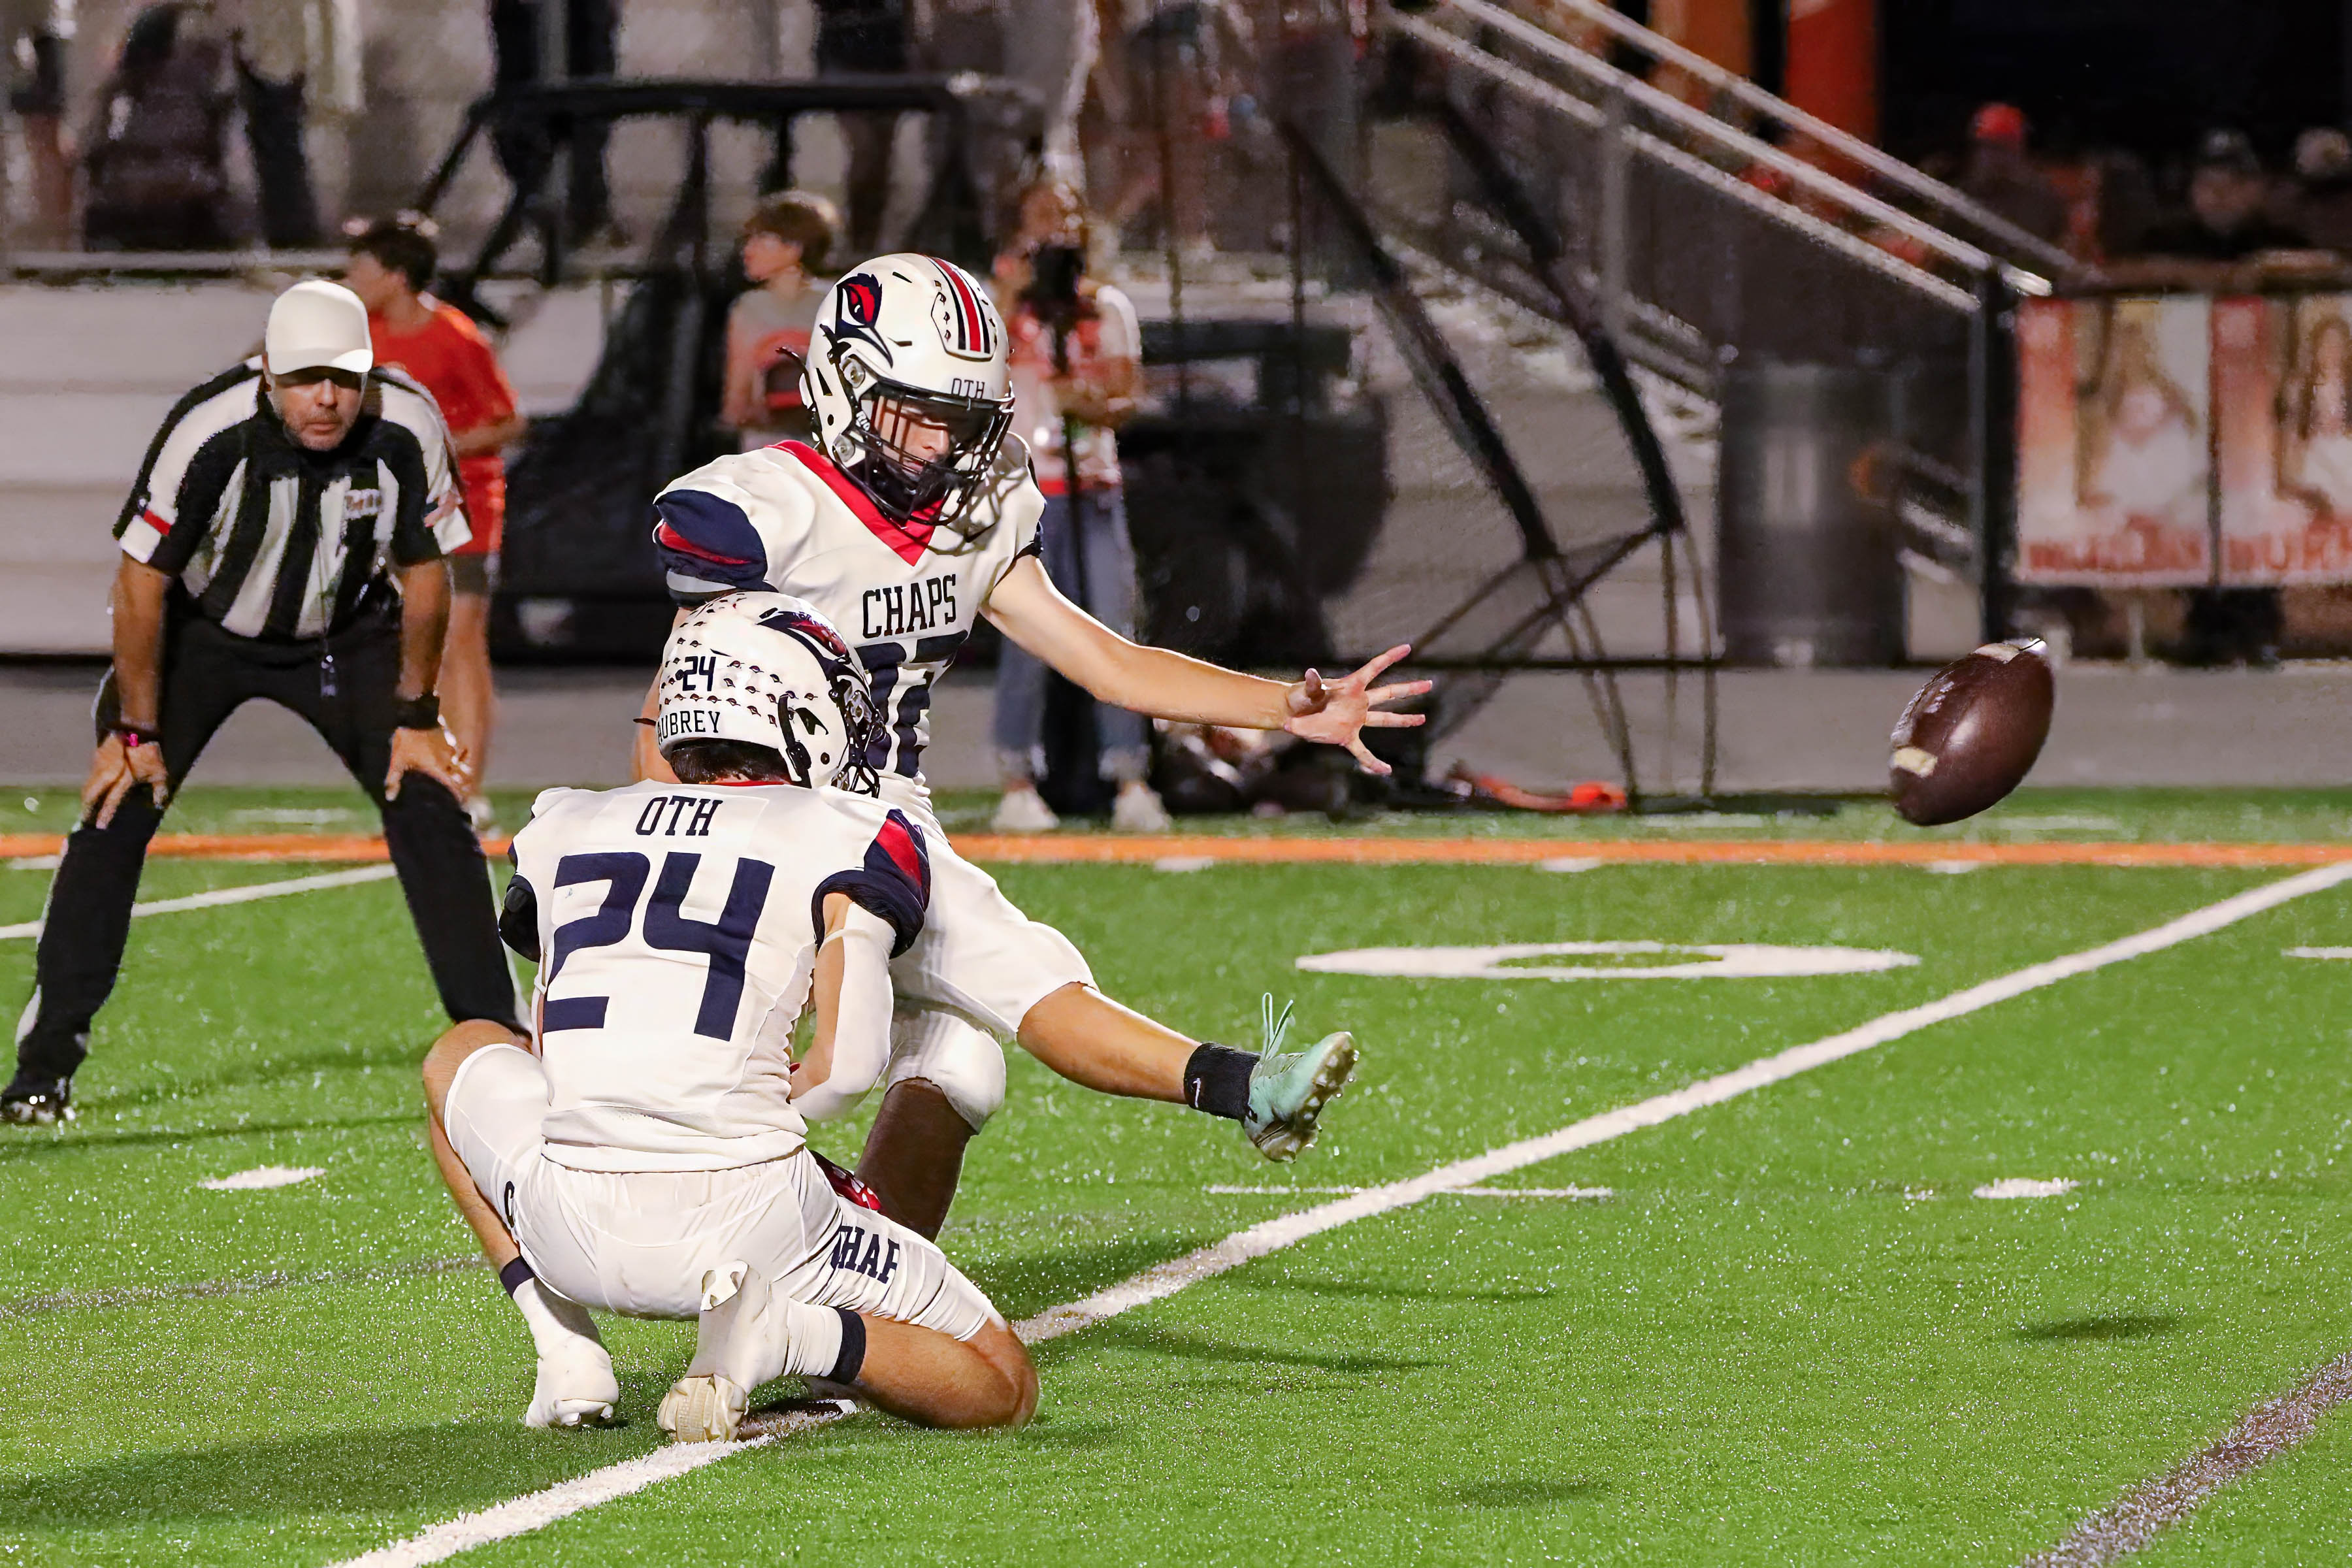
x,y
1716,224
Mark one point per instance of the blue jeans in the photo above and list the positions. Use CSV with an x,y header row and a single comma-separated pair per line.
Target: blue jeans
x,y
1110,597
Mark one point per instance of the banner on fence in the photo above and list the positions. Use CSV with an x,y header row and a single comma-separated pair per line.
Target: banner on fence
x,y
2177,441
2282,383
2113,465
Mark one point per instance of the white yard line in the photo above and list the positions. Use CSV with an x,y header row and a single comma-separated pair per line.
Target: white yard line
x,y
524,1514
1451,1191
244,895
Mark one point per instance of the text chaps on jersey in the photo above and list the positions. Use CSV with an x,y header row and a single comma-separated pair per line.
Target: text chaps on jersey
x,y
903,608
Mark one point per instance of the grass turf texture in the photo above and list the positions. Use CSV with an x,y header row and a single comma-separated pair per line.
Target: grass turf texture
x,y
1768,1346
2032,814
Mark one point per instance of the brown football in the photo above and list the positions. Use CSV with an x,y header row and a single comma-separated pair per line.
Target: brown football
x,y
1972,734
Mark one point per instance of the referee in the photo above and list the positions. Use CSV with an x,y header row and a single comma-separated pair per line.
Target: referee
x,y
285,539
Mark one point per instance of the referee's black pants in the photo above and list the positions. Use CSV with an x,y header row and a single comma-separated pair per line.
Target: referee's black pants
x,y
208,674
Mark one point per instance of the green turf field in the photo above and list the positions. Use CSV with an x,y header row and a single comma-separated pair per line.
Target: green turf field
x,y
1788,1334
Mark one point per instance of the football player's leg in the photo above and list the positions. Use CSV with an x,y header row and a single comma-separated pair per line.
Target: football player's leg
x,y
986,960
824,1287
484,1095
937,1350
946,1079
1277,1095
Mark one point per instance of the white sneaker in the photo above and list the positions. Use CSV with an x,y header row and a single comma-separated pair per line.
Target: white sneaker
x,y
1139,809
574,1387
732,1356
1024,810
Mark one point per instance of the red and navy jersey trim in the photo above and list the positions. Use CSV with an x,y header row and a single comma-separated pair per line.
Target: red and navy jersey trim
x,y
707,537
894,884
908,540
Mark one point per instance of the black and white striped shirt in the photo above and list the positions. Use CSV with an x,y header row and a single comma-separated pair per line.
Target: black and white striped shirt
x,y
273,539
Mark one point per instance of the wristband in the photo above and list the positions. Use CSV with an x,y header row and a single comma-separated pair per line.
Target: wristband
x,y
134,736
417,712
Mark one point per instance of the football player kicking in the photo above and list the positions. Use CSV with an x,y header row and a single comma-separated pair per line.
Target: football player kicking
x,y
914,515
647,1157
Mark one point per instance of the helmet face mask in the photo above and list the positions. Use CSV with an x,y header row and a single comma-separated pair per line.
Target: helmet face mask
x,y
907,378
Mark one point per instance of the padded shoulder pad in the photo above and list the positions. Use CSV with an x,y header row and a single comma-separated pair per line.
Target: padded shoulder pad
x,y
894,883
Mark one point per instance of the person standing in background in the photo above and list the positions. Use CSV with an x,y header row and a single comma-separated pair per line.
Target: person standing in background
x,y
2228,221
2001,178
2321,204
392,261
786,241
865,37
33,36
285,539
1076,360
293,57
589,34
154,154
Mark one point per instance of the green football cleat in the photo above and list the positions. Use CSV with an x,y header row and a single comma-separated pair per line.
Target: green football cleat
x,y
1288,1091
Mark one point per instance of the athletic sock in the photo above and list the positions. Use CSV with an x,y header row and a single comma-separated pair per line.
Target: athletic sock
x,y
1216,1080
823,1342
551,1318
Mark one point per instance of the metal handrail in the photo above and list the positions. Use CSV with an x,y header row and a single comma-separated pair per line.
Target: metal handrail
x,y
1886,167
1829,235
1732,141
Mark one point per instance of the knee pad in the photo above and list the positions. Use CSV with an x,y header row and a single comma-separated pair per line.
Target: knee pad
x,y
953,1055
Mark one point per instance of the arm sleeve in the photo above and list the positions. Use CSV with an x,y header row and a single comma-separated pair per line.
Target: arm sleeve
x,y
894,884
861,1023
708,544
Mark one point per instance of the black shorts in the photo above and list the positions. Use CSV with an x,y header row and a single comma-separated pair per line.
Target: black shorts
x,y
476,573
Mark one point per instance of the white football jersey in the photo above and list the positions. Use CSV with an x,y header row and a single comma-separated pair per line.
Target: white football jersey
x,y
785,518
676,928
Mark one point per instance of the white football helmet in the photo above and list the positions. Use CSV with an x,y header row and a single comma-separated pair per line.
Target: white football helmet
x,y
923,334
768,669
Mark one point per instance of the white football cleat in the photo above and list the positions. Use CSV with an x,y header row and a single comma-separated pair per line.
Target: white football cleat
x,y
1024,810
574,1386
732,1356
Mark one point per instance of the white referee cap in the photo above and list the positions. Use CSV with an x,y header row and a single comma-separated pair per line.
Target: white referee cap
x,y
318,325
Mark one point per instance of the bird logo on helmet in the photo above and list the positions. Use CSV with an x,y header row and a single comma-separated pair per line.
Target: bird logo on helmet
x,y
909,381
858,307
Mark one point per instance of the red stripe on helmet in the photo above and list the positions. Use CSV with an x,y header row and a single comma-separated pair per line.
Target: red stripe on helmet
x,y
971,322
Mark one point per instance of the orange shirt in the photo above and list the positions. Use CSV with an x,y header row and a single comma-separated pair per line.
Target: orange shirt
x,y
454,360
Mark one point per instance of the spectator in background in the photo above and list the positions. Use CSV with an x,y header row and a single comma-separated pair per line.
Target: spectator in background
x,y
1165,86
519,36
2323,197
33,38
786,243
156,153
292,57
860,37
2000,177
391,263
1077,366
2228,220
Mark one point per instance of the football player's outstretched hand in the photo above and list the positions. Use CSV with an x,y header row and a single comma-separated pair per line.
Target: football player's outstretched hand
x,y
1337,711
